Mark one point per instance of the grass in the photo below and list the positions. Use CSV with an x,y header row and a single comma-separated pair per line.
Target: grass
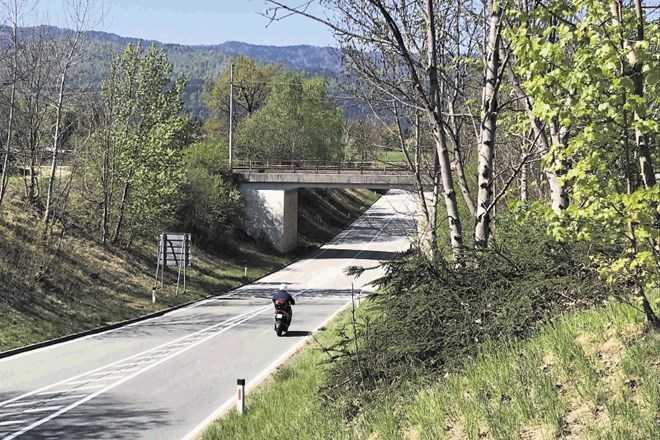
x,y
393,156
593,375
288,406
86,286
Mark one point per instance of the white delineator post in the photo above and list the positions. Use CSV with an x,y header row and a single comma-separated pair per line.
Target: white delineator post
x,y
240,396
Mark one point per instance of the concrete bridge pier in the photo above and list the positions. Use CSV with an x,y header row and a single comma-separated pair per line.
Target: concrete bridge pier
x,y
272,214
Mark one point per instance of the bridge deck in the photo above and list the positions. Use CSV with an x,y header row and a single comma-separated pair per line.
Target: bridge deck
x,y
324,174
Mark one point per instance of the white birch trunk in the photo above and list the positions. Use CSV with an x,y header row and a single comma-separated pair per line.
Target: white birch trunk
x,y
488,128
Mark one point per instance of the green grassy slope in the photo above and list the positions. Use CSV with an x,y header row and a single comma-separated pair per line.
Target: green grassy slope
x,y
590,375
75,284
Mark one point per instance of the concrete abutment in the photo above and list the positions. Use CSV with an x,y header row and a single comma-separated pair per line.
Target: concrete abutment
x,y
272,214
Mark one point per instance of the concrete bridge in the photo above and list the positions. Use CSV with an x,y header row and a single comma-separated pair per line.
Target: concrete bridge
x,y
270,190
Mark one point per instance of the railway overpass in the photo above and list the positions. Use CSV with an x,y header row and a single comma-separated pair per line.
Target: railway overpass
x,y
270,190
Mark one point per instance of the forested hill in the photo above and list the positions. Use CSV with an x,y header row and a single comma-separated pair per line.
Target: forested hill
x,y
197,63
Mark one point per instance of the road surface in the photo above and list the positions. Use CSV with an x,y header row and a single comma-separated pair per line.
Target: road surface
x,y
168,377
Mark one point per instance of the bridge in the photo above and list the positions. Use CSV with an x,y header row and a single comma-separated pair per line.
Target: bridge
x,y
270,190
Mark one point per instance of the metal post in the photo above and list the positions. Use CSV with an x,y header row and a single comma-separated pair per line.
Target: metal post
x,y
158,267
240,396
231,115
181,262
185,262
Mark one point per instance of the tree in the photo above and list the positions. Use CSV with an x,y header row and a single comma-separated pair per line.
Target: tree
x,y
140,151
298,122
13,9
67,53
212,206
251,84
394,47
614,201
490,108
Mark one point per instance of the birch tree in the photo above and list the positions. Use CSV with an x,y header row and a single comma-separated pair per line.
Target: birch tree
x,y
67,54
489,111
610,75
394,47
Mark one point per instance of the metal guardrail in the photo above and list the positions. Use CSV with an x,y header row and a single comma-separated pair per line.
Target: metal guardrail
x,y
319,167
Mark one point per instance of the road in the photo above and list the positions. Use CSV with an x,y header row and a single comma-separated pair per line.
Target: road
x,y
168,377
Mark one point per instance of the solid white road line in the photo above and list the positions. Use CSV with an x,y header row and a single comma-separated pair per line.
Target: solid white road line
x,y
137,373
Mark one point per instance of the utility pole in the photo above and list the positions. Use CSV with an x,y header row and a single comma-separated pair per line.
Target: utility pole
x,y
231,115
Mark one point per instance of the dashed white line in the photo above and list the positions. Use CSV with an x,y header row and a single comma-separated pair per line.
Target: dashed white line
x,y
43,409
13,422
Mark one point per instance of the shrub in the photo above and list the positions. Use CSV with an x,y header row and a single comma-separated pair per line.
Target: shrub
x,y
430,316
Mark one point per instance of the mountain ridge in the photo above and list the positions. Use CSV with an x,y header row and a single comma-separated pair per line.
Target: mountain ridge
x,y
199,64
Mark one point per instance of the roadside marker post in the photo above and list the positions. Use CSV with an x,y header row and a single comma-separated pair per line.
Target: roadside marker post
x,y
240,396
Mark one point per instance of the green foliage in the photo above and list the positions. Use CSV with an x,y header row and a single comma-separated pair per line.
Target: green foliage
x,y
140,149
252,85
583,55
210,206
299,122
430,317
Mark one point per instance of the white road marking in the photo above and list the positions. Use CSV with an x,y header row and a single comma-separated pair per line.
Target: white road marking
x,y
169,352
261,376
42,409
137,373
12,422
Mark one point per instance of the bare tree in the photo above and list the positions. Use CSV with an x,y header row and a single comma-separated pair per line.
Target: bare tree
x,y
67,53
489,110
393,46
13,7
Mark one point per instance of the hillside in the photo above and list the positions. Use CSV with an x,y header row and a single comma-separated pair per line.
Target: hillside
x,y
197,63
76,284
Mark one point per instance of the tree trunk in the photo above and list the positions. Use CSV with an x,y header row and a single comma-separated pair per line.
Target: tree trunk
x,y
558,195
434,113
459,161
636,74
122,210
105,182
4,180
524,184
56,149
488,128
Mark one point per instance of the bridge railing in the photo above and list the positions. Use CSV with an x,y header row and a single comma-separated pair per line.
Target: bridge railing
x,y
319,167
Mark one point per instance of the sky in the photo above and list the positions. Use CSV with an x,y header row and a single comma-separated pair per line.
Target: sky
x,y
193,22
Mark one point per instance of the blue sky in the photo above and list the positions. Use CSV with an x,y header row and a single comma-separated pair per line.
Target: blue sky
x,y
196,22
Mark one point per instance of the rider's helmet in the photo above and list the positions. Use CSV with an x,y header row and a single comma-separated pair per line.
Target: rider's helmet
x,y
283,287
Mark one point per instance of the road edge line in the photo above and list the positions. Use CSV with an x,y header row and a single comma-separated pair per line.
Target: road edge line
x,y
225,407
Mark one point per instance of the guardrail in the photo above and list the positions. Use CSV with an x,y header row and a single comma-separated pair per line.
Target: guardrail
x,y
319,167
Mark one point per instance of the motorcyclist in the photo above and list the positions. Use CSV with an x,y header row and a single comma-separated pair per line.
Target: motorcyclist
x,y
283,296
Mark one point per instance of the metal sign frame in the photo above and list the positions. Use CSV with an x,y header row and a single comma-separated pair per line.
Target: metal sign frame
x,y
173,250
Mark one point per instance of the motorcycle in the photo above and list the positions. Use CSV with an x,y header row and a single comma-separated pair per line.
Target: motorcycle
x,y
282,317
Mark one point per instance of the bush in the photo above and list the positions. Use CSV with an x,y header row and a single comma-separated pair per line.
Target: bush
x,y
210,207
430,316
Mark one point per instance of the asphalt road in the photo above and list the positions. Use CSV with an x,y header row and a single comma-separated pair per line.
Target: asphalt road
x,y
168,377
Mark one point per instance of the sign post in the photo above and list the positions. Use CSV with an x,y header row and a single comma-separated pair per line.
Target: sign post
x,y
173,250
